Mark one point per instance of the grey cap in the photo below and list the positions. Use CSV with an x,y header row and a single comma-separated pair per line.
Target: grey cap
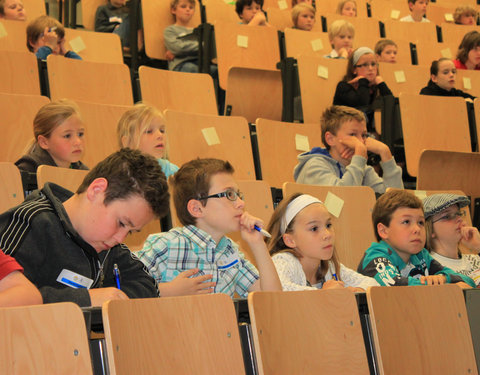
x,y
436,203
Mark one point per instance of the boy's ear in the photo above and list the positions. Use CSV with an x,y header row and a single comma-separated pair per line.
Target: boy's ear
x,y
329,138
98,186
195,208
288,240
382,231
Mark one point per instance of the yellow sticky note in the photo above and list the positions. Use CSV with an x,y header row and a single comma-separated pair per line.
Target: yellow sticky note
x,y
395,14
400,76
3,32
334,204
467,83
446,53
242,41
301,142
449,17
317,45
420,194
211,136
77,44
282,4
322,71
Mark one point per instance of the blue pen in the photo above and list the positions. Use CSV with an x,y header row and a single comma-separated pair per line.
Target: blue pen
x,y
116,273
262,231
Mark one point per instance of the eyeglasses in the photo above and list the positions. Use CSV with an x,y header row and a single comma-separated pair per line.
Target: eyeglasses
x,y
366,65
230,194
452,216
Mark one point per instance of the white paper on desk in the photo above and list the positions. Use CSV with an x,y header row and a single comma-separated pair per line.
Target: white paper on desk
x,y
3,32
317,45
77,44
400,76
242,41
211,136
301,142
334,204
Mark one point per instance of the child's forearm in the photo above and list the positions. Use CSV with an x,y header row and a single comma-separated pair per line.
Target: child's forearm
x,y
269,280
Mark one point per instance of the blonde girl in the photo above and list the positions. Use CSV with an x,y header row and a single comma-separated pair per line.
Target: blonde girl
x,y
303,16
302,248
143,128
58,138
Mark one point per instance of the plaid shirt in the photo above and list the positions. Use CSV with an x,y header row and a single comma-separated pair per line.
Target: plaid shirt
x,y
181,249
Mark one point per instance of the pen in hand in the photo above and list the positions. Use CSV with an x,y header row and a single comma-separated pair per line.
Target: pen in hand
x,y
116,273
262,231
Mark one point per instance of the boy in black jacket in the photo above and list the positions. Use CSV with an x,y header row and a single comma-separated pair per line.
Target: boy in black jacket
x,y
68,244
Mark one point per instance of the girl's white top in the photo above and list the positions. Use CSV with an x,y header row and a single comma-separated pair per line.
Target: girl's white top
x,y
292,277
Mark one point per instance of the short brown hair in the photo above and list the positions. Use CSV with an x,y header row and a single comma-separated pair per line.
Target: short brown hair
x,y
129,173
470,41
192,181
342,3
334,117
174,3
464,10
381,44
388,203
37,26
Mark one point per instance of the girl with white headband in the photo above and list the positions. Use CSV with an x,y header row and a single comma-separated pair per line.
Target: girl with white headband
x,y
361,84
302,248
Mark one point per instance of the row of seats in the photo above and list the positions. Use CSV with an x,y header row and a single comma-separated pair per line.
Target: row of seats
x,y
200,334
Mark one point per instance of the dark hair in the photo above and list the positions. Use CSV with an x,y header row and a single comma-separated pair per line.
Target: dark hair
x,y
275,244
130,172
192,181
470,41
240,4
388,203
435,64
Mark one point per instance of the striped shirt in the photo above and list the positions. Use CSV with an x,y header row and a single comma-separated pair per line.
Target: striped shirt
x,y
181,249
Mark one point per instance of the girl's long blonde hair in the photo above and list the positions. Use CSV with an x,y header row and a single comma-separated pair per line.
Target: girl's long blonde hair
x,y
133,124
277,245
49,117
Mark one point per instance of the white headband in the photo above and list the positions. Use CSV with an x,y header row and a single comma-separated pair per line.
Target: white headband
x,y
295,206
359,53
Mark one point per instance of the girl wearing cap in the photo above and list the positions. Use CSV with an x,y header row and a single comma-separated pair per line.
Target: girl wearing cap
x,y
362,83
446,230
302,248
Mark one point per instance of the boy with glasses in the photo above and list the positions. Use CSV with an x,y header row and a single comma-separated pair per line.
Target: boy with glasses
x,y
209,205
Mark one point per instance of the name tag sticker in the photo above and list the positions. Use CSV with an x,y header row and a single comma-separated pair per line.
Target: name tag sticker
x,y
334,204
449,17
282,4
242,41
467,83
3,32
317,45
74,280
77,44
211,136
301,142
394,14
322,72
446,53
400,76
